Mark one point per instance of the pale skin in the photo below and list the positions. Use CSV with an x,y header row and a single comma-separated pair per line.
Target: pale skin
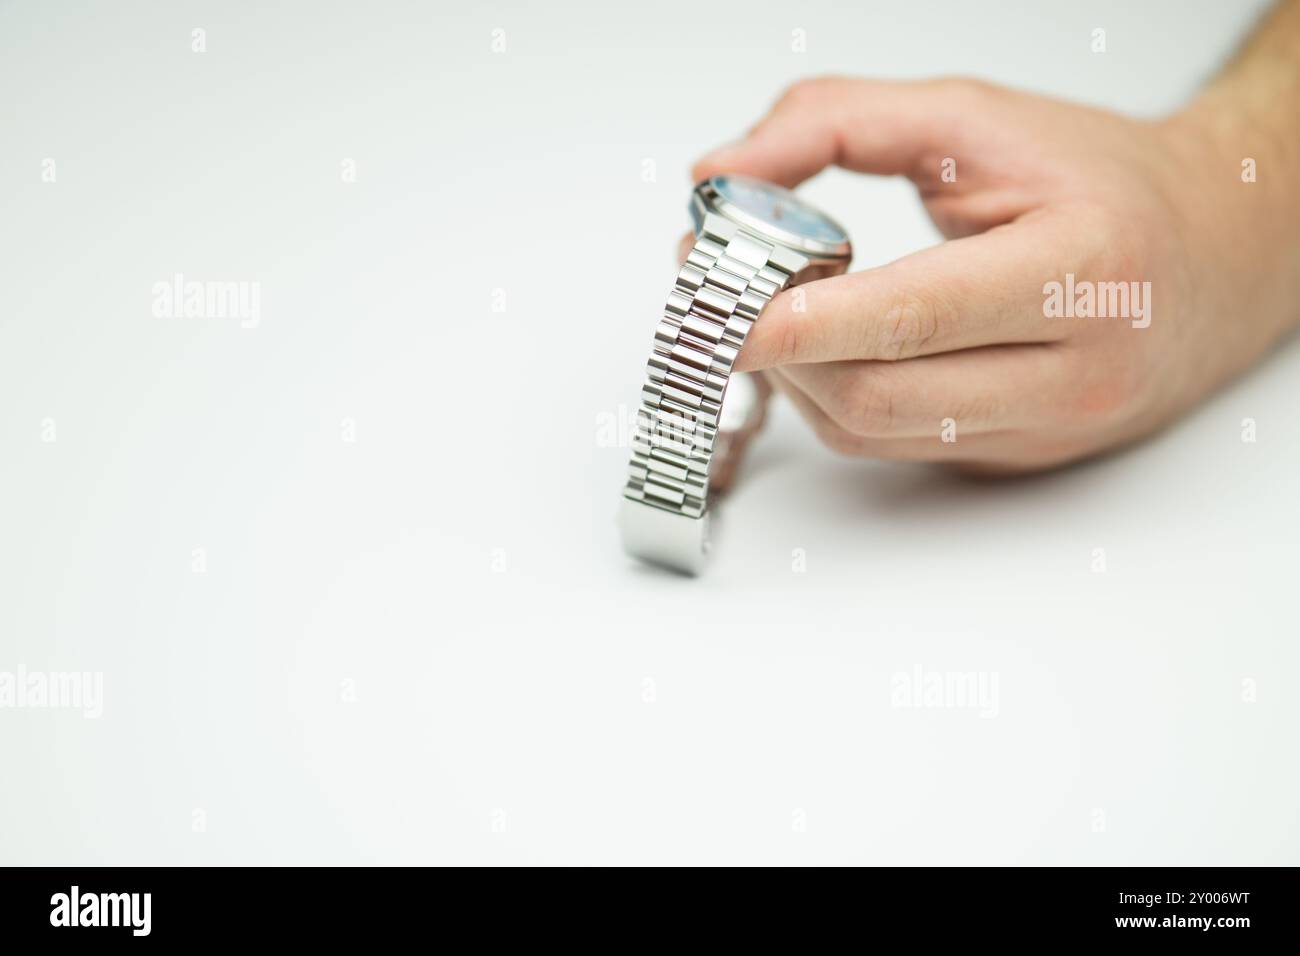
x,y
877,360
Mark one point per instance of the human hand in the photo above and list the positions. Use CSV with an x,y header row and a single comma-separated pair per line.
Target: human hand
x,y
953,342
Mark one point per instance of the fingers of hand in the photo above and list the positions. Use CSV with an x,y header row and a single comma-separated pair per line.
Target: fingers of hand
x,y
972,448
866,125
942,398
966,293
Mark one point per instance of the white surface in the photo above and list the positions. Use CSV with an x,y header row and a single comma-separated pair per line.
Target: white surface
x,y
501,716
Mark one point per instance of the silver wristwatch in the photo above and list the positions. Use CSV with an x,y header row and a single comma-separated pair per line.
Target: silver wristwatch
x,y
752,240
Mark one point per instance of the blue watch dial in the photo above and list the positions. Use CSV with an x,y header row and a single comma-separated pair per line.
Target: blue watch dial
x,y
779,207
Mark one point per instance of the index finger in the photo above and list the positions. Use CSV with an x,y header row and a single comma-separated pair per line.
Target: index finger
x,y
868,126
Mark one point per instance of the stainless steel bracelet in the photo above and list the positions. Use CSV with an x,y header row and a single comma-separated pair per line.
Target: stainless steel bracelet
x,y
725,283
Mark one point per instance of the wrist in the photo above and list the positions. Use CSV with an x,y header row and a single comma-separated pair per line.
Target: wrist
x,y
1232,178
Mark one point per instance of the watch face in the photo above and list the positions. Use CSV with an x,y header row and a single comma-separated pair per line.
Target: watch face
x,y
777,207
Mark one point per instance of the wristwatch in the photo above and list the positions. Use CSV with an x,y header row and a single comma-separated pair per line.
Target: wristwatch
x,y
752,239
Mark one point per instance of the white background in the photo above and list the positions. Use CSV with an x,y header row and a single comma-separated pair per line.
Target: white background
x,y
573,707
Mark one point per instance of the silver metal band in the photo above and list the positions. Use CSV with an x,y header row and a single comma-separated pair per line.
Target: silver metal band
x,y
726,281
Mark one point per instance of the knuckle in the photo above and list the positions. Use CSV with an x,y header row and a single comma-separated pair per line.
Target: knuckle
x,y
878,413
838,440
862,407
963,89
1105,400
810,89
1118,252
980,408
797,92
909,324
